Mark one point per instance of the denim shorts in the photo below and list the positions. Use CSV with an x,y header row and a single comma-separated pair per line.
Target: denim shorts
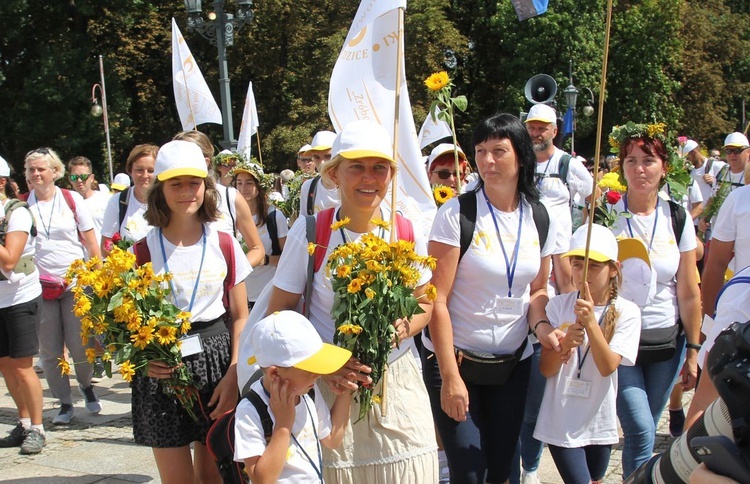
x,y
19,329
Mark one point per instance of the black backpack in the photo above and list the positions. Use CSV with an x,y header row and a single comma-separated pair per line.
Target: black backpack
x,y
220,437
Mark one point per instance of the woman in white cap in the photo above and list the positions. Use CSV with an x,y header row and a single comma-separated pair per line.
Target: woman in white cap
x,y
120,183
400,445
441,166
181,204
249,180
317,193
20,309
234,214
670,313
65,233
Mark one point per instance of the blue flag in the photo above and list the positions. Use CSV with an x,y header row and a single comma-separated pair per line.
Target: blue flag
x,y
529,8
568,126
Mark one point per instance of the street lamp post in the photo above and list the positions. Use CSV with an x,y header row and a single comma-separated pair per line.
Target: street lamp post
x,y
219,29
571,96
97,110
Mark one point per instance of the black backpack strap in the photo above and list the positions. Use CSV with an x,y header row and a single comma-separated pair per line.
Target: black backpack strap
x,y
563,168
123,207
273,233
467,208
311,195
679,217
541,220
262,409
231,215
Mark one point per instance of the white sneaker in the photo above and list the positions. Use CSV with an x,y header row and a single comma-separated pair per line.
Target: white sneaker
x,y
92,401
530,478
65,414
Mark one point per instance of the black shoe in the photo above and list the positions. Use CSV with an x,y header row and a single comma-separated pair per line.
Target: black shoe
x,y
14,439
98,370
676,422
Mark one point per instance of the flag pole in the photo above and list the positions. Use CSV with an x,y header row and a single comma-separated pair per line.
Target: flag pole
x,y
597,151
187,94
260,155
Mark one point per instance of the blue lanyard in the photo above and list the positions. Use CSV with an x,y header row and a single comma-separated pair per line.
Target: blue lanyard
x,y
319,468
541,176
381,232
510,265
578,349
47,227
656,219
200,268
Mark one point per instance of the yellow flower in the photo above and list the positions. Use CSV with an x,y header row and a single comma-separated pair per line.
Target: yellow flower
x,y
430,262
166,335
614,144
64,366
355,286
369,293
431,292
343,271
311,248
376,399
185,326
611,181
374,266
134,323
143,337
91,355
383,224
82,307
338,224
127,370
350,329
106,356
437,81
442,194
655,129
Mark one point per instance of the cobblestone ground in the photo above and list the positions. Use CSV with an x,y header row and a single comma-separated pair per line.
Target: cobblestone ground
x,y
100,448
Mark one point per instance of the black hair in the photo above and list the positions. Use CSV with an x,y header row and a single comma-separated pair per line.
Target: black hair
x,y
507,126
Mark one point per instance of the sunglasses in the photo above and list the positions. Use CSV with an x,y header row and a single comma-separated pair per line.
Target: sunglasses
x,y
445,174
41,151
83,177
734,151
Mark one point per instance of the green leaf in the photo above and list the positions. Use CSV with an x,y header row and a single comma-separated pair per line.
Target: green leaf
x,y
461,103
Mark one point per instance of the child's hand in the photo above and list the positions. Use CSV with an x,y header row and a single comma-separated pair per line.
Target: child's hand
x,y
282,403
565,356
584,309
574,336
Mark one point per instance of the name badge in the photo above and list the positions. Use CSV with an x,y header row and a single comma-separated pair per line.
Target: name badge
x,y
510,305
191,345
577,388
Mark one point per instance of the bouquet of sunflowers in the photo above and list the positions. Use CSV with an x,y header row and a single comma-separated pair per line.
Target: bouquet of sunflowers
x,y
612,190
128,309
373,282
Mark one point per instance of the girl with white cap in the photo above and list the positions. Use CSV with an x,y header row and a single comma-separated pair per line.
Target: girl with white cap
x,y
181,204
577,418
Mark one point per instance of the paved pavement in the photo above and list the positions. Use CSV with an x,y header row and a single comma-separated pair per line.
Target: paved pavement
x,y
100,448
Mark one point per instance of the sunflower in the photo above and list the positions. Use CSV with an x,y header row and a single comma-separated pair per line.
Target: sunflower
x,y
166,335
339,224
90,355
442,194
143,337
127,370
343,271
64,366
437,81
383,224
369,293
355,286
350,329
431,292
311,248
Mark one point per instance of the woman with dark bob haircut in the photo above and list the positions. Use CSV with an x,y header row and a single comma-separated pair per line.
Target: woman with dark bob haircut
x,y
487,301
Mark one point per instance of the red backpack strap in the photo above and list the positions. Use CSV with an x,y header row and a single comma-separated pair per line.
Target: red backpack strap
x,y
72,206
142,252
322,235
404,228
227,249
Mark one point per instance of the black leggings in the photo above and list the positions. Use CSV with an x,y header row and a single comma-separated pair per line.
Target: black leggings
x,y
581,465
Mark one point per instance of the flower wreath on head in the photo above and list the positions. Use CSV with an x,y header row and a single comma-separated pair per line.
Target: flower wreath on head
x,y
678,177
227,158
253,168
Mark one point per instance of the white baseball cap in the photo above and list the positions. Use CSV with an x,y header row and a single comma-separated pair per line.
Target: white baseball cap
x,y
4,167
689,146
736,139
443,148
603,246
543,113
287,339
322,141
304,149
178,158
121,181
363,138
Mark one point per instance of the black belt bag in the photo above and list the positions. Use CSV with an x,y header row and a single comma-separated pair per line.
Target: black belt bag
x,y
481,368
659,344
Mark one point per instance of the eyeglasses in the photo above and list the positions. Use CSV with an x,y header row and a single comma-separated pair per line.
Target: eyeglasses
x,y
41,151
83,177
734,151
444,174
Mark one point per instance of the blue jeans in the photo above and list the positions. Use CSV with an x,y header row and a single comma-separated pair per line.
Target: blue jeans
x,y
529,450
480,449
581,465
642,394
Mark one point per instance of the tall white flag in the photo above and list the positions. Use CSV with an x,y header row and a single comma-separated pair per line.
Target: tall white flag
x,y
363,86
433,130
249,123
195,103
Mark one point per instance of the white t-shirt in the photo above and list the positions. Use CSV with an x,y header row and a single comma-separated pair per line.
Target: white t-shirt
x,y
556,196
97,204
134,227
291,274
262,275
185,265
57,244
324,198
733,225
20,288
480,287
697,175
692,196
249,440
661,311
576,421
725,176
224,222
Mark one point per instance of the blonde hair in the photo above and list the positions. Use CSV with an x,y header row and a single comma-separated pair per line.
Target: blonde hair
x,y
610,319
52,159
330,166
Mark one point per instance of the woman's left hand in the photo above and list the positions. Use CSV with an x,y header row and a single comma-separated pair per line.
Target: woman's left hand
x,y
225,394
403,328
689,372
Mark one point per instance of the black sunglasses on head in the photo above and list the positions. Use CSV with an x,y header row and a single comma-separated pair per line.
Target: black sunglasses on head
x,y
43,151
